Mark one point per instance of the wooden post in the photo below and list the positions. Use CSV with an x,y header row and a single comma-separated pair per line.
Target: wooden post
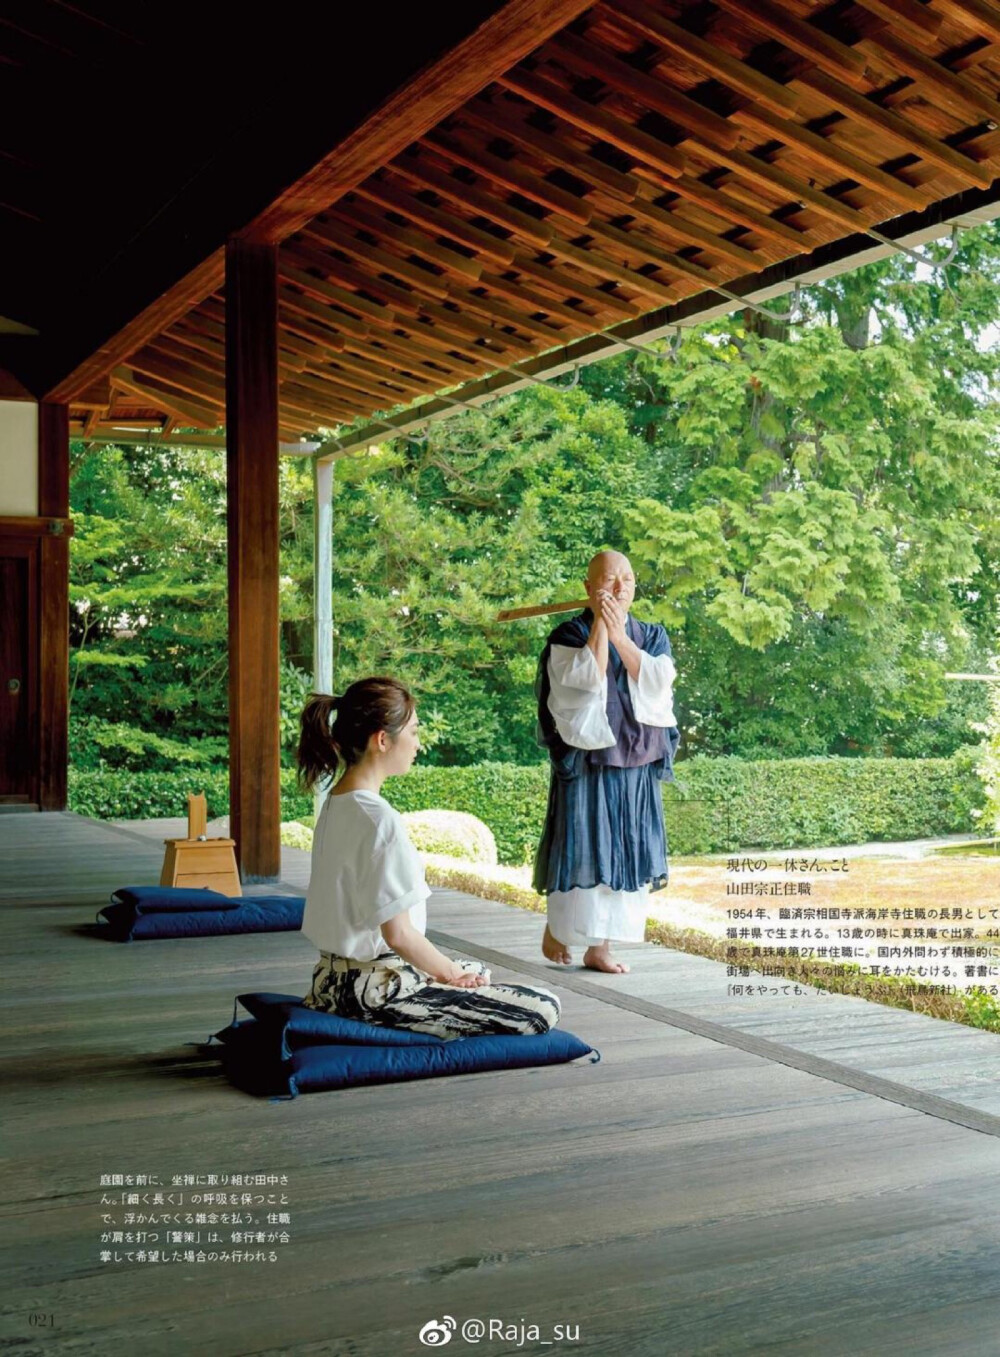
x,y
252,471
53,696
322,590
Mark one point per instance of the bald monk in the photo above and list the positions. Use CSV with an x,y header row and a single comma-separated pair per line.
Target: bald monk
x,y
605,714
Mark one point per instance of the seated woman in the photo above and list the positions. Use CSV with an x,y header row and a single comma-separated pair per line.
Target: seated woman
x,y
365,908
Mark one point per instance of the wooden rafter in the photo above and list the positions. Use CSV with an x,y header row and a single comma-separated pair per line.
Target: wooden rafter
x,y
611,159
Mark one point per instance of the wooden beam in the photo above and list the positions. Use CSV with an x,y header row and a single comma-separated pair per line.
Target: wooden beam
x,y
368,270
649,93
595,121
53,695
400,303
570,287
591,261
189,377
379,191
737,75
681,231
730,209
500,42
96,397
213,407
152,320
635,245
761,171
510,176
358,215
380,367
519,291
975,16
327,234
498,119
950,91
325,291
918,22
252,512
800,36
293,300
909,136
292,323
473,198
821,151
179,409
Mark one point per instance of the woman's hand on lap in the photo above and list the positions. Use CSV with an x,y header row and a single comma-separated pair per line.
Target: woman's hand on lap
x,y
468,980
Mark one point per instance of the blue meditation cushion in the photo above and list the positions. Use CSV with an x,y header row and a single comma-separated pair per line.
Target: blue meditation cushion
x,y
302,1026
172,899
246,914
261,1055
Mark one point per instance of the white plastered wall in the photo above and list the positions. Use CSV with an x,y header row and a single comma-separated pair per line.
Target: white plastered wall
x,y
18,459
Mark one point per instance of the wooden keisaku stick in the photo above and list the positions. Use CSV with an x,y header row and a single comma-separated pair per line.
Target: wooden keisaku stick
x,y
512,614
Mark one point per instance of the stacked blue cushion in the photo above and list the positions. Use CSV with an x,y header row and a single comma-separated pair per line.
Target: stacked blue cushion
x,y
286,1048
138,912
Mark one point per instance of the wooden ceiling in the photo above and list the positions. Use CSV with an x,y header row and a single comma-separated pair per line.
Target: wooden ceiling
x,y
647,152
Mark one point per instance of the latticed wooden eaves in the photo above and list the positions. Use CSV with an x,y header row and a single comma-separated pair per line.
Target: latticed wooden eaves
x,y
646,153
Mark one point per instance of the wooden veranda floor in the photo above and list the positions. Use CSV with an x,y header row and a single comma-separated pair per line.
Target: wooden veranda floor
x,y
783,1176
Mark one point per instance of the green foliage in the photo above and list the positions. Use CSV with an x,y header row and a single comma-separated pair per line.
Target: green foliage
x,y
509,798
106,794
113,744
452,832
812,510
716,805
981,1008
294,834
988,766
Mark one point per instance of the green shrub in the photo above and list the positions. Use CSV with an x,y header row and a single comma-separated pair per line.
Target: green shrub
x,y
508,798
452,832
715,806
118,795
296,835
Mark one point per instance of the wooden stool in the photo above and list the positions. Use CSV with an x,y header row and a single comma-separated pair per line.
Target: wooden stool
x,y
198,861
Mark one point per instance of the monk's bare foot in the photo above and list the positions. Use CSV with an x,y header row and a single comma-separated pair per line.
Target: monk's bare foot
x,y
554,950
600,959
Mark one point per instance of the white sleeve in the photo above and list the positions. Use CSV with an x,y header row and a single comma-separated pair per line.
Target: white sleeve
x,y
395,879
653,695
578,696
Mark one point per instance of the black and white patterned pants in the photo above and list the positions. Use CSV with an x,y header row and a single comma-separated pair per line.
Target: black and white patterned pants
x,y
392,993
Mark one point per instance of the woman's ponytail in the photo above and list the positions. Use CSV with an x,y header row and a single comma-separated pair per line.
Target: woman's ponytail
x,y
336,730
318,754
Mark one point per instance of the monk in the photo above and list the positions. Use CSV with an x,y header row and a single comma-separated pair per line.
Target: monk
x,y
605,714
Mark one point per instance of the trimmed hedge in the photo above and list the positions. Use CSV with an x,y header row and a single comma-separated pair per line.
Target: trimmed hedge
x,y
715,806
108,794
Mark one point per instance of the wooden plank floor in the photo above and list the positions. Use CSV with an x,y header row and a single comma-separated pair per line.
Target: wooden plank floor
x,y
682,1197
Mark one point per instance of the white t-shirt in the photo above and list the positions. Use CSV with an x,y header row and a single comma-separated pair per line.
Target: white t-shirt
x,y
365,871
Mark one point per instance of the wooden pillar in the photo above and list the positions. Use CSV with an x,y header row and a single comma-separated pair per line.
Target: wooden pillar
x,y
322,590
53,692
252,507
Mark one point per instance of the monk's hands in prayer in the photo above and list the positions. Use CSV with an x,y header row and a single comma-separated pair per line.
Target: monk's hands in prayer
x,y
613,615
